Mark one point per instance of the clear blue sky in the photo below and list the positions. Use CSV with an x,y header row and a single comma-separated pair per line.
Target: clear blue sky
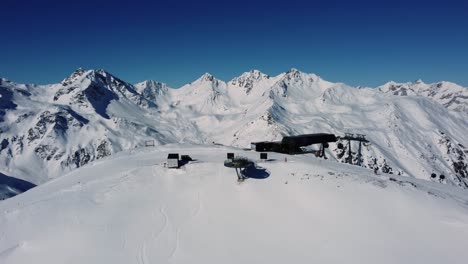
x,y
356,42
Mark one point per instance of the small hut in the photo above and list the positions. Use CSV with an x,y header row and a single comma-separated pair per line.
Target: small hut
x,y
173,160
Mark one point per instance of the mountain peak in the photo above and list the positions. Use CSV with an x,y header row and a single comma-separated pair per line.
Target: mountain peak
x,y
247,80
79,70
207,77
252,74
151,90
292,71
295,74
77,73
152,83
256,72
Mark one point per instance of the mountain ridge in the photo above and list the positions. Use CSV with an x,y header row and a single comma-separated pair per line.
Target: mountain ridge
x,y
92,114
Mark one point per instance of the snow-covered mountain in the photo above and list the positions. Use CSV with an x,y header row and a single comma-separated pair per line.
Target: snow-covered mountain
x,y
127,208
50,129
47,130
450,95
152,90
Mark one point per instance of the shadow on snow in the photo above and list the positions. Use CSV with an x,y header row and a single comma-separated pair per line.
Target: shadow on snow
x,y
255,172
10,186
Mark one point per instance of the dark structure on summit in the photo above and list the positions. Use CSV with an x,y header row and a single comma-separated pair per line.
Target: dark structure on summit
x,y
173,160
351,137
239,163
293,144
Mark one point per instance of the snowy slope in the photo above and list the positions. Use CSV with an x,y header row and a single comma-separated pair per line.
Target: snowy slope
x,y
450,95
410,136
152,91
49,130
128,209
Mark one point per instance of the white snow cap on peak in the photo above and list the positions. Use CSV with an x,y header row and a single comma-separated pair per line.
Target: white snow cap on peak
x,y
389,84
252,74
206,77
151,84
296,74
256,72
77,73
155,83
101,71
293,70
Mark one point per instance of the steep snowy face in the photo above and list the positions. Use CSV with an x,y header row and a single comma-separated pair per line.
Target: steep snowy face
x,y
47,130
280,106
205,95
96,90
36,135
6,100
452,96
152,90
248,80
298,85
397,89
405,138
251,88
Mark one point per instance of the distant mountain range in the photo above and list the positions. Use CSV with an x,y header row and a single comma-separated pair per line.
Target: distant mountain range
x,y
450,95
414,129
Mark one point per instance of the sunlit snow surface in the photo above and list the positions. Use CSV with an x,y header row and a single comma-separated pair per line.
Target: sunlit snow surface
x,y
127,208
49,130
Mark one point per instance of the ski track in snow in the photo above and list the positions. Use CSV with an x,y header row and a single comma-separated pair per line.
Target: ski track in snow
x,y
152,238
6,252
128,176
194,214
199,202
176,245
169,220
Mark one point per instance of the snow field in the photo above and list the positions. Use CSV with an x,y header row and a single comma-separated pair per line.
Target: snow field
x,y
129,209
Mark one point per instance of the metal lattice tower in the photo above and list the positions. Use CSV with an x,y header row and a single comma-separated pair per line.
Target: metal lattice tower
x,y
360,138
